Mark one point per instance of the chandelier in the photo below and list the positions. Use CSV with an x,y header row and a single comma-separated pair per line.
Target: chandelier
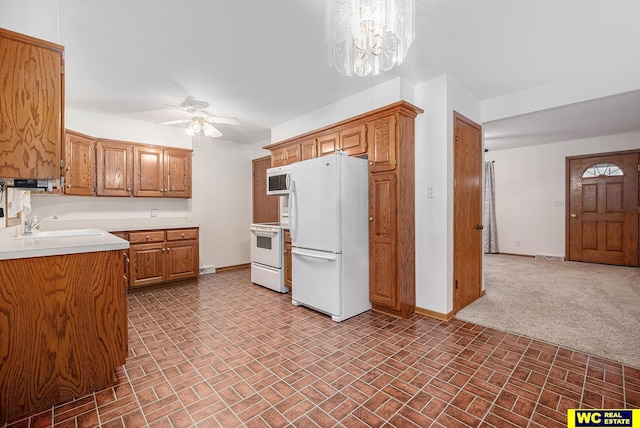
x,y
366,37
199,125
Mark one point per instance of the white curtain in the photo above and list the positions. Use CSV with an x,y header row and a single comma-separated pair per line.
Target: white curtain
x,y
490,231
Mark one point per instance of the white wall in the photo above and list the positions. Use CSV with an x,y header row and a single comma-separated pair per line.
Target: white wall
x,y
530,191
379,96
438,97
37,18
221,201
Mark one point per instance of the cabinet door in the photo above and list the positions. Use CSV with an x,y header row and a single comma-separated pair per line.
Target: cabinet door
x,y
328,143
147,171
147,264
293,153
79,163
382,144
114,168
382,243
353,140
279,157
308,149
177,173
31,116
182,259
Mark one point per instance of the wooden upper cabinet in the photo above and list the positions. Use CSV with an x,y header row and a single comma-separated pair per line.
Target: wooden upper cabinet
x,y
279,157
293,153
161,172
285,155
328,143
309,149
148,171
353,140
114,168
32,112
79,164
382,144
177,173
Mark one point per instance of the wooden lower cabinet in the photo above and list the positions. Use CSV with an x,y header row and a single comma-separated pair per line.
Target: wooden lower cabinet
x,y
159,256
63,329
287,260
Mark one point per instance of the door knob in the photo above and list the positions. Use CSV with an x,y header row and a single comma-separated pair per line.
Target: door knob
x,y
573,215
479,226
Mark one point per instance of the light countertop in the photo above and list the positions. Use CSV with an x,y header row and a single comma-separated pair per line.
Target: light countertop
x,y
35,246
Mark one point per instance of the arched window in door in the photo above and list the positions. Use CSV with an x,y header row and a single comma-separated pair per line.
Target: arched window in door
x,y
603,170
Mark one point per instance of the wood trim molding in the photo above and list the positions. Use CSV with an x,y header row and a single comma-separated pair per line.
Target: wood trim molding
x,y
233,267
401,106
433,314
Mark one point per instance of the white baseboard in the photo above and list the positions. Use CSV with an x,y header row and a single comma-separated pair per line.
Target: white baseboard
x,y
204,270
549,258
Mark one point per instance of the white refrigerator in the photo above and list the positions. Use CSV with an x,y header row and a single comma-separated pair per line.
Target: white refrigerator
x,y
328,223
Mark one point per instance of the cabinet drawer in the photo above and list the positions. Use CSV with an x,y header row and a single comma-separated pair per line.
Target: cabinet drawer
x,y
150,236
180,234
122,235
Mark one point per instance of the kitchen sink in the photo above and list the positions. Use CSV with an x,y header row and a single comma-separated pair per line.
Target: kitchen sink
x,y
71,233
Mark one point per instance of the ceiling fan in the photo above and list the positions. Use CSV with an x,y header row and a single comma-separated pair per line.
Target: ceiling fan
x,y
200,120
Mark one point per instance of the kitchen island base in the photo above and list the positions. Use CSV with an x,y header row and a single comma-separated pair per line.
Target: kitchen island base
x,y
63,328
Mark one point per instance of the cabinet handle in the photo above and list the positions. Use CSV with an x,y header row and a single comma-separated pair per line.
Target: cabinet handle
x,y
182,235
128,189
147,237
370,162
67,169
370,218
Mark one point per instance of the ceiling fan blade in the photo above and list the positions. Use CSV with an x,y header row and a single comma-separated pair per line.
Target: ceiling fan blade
x,y
173,122
211,131
224,120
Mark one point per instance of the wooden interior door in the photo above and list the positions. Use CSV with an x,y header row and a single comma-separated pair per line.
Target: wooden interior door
x,y
602,223
265,207
467,211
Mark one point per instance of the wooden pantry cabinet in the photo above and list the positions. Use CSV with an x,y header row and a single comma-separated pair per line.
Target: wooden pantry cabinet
x,y
161,256
387,137
32,113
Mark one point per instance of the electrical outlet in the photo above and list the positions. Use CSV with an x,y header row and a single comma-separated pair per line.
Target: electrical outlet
x,y
430,192
154,212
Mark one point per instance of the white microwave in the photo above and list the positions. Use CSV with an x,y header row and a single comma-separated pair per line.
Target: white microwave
x,y
278,180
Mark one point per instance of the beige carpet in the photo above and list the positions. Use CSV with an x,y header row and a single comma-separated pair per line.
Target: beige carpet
x,y
582,306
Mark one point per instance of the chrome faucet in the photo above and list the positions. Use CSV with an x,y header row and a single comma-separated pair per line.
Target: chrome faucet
x,y
30,224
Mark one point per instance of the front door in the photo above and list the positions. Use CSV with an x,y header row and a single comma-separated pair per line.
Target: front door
x,y
467,211
602,219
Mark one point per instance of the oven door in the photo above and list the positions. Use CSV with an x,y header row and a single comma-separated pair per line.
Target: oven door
x,y
266,245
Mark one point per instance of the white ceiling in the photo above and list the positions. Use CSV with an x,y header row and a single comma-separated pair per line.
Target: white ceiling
x,y
265,63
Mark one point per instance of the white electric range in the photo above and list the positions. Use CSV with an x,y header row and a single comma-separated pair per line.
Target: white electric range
x,y
267,248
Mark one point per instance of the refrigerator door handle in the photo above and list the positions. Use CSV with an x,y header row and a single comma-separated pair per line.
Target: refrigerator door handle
x,y
292,209
328,257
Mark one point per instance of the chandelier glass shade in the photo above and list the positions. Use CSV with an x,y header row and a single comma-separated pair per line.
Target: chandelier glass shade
x,y
200,125
366,37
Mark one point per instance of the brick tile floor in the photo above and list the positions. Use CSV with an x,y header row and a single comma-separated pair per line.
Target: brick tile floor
x,y
223,352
